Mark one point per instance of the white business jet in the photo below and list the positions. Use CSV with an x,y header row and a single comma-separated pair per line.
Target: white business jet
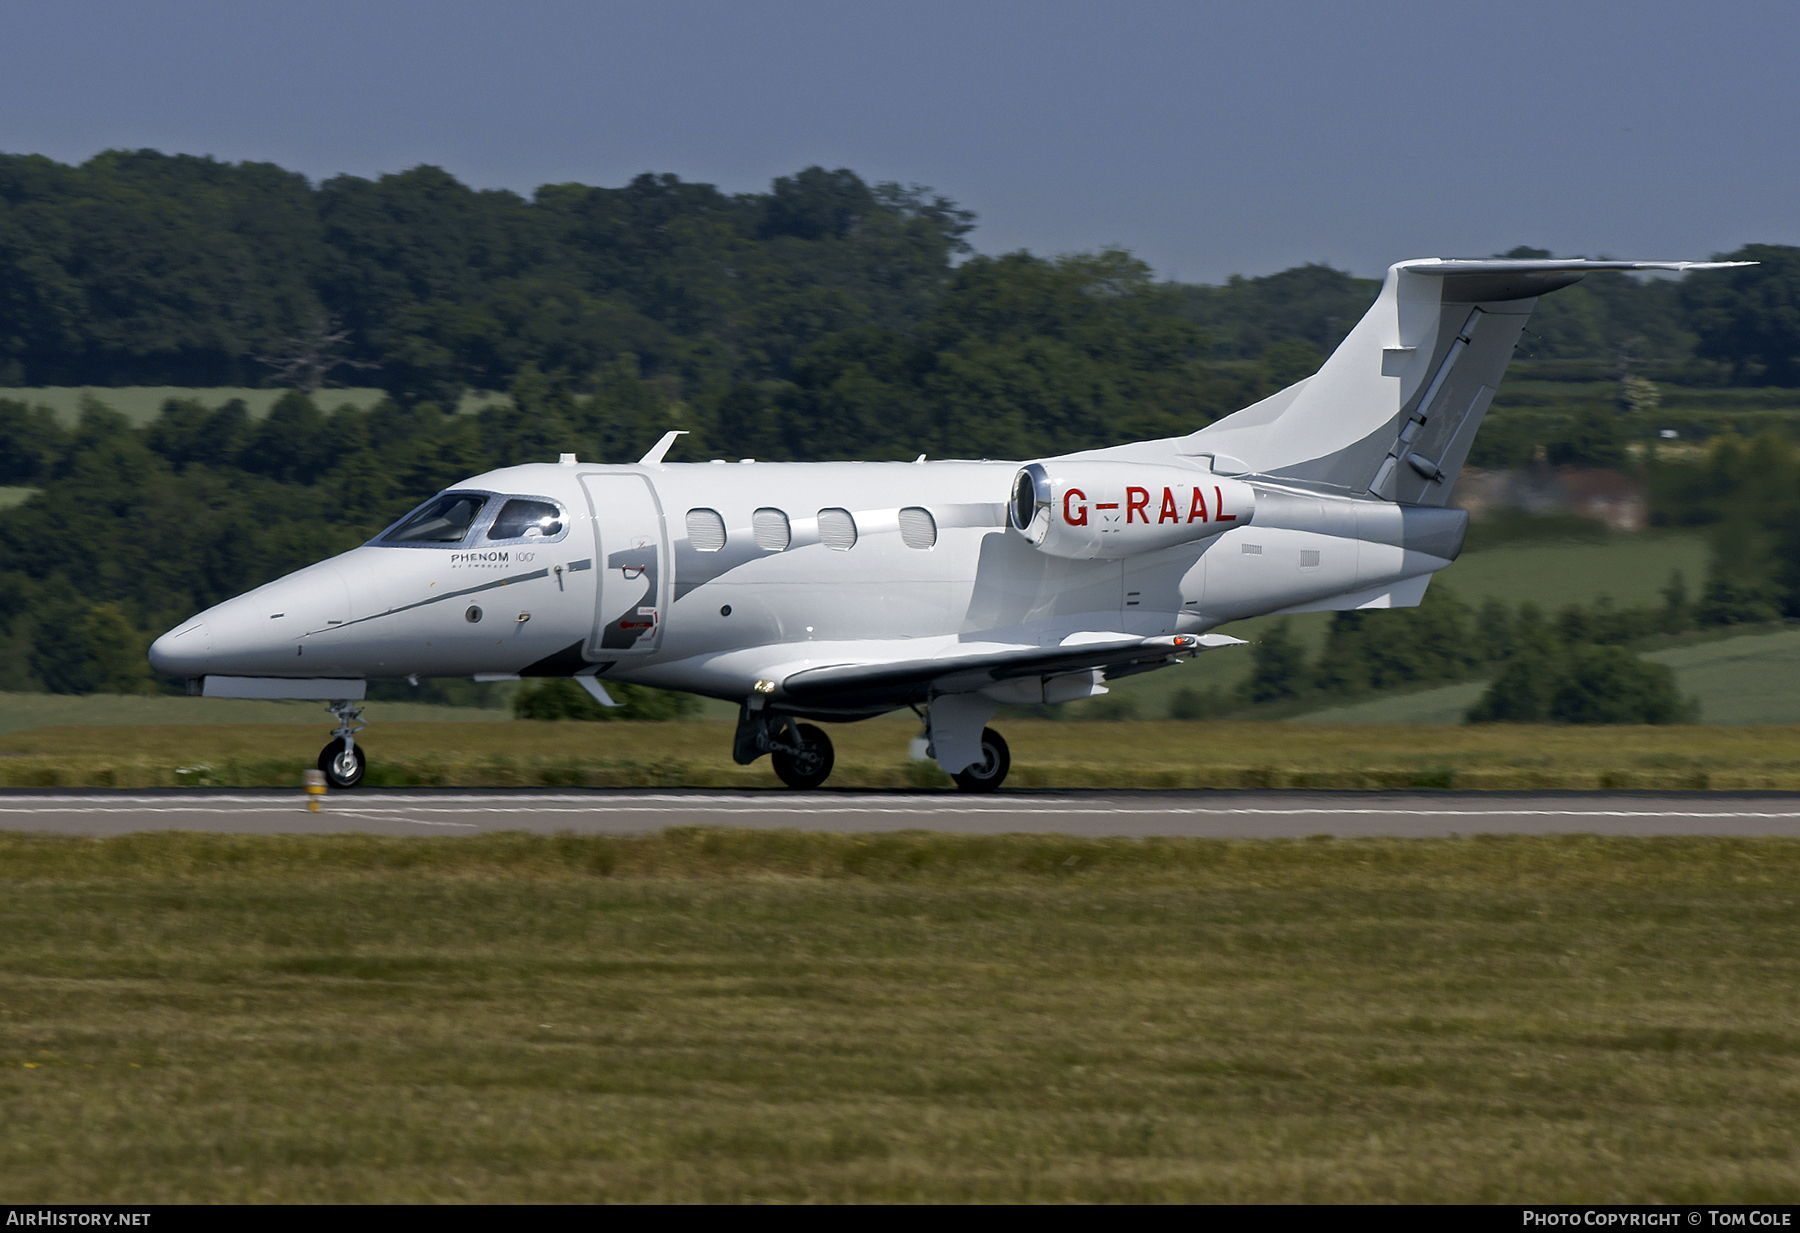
x,y
843,590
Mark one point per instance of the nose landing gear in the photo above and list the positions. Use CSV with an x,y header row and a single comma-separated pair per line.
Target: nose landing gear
x,y
341,760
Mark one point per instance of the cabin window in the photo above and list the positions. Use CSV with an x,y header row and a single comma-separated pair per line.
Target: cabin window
x,y
771,530
523,518
706,530
441,520
918,529
837,529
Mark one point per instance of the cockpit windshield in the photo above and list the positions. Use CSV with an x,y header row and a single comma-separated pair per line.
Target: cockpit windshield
x,y
520,518
444,520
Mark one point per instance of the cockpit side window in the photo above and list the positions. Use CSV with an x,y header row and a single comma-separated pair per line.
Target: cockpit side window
x,y
524,518
442,520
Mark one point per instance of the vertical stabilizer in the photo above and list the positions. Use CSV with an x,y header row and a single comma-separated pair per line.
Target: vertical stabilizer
x,y
1394,410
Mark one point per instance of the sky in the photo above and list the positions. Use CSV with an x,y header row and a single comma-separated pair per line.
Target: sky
x,y
1209,139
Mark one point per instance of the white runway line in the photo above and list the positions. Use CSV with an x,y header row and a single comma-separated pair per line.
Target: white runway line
x,y
375,817
389,808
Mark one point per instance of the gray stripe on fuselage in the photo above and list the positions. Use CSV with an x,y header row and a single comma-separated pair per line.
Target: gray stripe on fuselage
x,y
435,599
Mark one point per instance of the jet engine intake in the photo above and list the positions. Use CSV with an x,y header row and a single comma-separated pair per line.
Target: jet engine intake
x,y
1103,510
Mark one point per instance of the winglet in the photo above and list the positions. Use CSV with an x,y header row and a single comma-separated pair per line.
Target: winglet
x,y
654,454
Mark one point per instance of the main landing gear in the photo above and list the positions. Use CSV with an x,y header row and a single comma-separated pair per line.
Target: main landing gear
x,y
342,760
808,764
990,772
802,755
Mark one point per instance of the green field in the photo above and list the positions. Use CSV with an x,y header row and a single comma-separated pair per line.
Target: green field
x,y
1046,754
1445,704
19,712
1695,412
1631,569
142,403
740,1016
1750,679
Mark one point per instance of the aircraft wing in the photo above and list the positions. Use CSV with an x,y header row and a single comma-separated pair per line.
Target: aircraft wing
x,y
888,683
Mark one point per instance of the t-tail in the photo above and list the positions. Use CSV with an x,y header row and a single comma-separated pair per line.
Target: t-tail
x,y
1393,411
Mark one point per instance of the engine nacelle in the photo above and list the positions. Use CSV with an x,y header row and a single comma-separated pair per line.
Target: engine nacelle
x,y
1102,510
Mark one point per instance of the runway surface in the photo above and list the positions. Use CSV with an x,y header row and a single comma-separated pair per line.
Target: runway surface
x,y
415,811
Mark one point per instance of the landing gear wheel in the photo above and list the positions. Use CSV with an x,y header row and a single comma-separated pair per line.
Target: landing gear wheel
x,y
811,766
990,772
342,763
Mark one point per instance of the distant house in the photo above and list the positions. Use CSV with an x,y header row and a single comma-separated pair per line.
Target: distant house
x,y
1611,497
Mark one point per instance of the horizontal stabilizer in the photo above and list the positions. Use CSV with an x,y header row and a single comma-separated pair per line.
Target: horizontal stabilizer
x,y
1454,265
1472,281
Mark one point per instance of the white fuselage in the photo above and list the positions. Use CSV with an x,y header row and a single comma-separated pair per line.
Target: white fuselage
x,y
819,564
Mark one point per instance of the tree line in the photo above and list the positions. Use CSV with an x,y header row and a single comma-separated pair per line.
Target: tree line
x,y
143,268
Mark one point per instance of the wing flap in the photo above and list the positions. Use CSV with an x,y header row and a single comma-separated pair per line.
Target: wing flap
x,y
907,681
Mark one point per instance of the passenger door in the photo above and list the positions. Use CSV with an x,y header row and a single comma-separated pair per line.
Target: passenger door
x,y
632,555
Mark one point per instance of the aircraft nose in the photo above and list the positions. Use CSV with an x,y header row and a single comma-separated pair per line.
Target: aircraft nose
x,y
182,651
259,633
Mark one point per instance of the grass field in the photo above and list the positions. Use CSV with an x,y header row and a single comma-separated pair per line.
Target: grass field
x,y
142,403
21,711
1445,704
1046,754
1630,569
1750,679
731,1016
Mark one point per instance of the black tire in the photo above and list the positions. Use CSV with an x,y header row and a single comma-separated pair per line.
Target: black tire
x,y
342,772
812,765
990,772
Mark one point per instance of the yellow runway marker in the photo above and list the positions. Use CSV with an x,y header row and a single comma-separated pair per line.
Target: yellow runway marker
x,y
315,791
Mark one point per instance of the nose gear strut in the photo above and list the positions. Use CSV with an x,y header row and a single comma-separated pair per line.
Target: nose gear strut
x,y
341,760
